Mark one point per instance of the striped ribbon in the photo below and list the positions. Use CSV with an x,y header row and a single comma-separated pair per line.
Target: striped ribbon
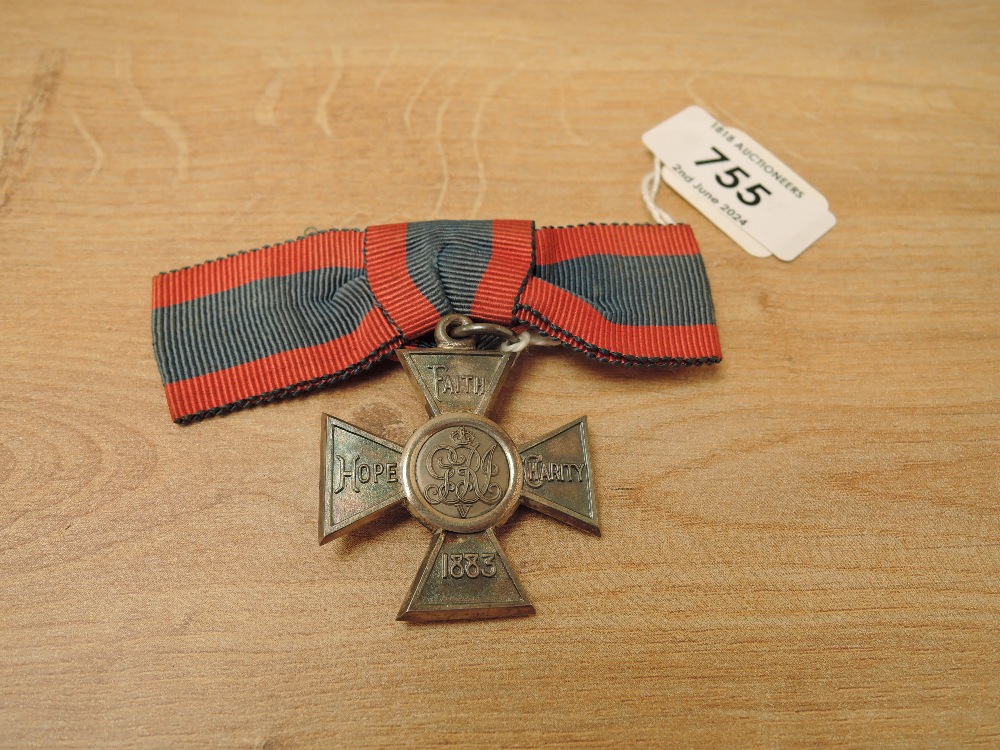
x,y
287,319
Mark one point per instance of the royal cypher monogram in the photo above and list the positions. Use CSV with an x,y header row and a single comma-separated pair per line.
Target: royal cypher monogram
x,y
464,474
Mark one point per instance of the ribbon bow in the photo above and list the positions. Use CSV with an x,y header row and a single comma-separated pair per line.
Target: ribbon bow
x,y
287,319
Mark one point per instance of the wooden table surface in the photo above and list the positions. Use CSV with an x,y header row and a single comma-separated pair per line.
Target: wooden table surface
x,y
801,545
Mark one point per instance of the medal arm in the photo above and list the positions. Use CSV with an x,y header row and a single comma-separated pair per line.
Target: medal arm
x,y
557,478
465,576
359,480
457,380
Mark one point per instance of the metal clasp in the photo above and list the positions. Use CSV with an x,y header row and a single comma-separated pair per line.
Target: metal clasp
x,y
458,331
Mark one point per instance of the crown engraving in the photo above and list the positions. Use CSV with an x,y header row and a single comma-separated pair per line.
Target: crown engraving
x,y
462,436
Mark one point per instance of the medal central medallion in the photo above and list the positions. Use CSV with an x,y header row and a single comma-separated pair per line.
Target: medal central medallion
x,y
461,473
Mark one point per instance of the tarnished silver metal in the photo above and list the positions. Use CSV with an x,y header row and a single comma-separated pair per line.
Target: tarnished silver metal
x,y
360,478
484,329
458,331
464,577
461,475
444,339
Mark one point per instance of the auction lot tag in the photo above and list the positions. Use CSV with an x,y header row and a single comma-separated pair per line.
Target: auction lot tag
x,y
740,186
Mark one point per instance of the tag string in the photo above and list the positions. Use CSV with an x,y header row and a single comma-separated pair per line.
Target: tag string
x,y
650,187
526,339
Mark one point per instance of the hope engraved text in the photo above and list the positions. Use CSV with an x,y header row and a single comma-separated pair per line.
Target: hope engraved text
x,y
537,471
464,475
447,382
468,565
361,474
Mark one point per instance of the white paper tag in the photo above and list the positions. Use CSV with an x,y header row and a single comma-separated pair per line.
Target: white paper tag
x,y
739,185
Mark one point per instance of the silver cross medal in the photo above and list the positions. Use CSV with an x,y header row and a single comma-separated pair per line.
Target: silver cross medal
x,y
460,475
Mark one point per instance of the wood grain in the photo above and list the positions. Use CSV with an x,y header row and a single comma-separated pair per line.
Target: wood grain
x,y
801,546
